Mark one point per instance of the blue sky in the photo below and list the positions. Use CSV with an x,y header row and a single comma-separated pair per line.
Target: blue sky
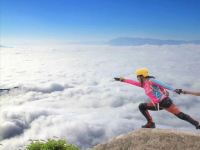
x,y
83,20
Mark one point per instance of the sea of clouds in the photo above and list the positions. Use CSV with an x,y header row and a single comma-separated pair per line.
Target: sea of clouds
x,y
69,92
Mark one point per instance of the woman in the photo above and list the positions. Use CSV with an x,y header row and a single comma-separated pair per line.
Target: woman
x,y
157,92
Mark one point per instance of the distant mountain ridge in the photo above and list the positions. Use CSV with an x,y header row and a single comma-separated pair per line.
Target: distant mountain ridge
x,y
131,41
153,139
3,46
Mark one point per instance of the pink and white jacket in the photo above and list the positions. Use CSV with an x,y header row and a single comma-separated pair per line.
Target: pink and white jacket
x,y
154,89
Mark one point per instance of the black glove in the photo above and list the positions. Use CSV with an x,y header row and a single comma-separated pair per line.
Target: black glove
x,y
119,79
178,91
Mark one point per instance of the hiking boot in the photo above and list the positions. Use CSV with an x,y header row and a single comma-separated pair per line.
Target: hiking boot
x,y
198,126
149,125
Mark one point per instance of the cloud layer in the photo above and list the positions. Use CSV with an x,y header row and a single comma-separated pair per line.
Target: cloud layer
x,y
69,92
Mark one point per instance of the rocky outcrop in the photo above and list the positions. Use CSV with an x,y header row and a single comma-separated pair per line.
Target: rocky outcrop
x,y
153,139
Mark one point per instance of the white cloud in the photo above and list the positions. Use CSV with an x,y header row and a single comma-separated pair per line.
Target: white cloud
x,y
69,92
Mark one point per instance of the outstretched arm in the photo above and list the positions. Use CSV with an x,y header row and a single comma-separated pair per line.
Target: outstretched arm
x,y
190,92
132,82
128,81
164,85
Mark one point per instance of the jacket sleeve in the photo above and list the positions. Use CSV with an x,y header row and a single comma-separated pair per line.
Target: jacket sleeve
x,y
132,82
162,84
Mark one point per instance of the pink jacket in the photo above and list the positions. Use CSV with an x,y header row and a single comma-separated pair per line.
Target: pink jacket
x,y
154,89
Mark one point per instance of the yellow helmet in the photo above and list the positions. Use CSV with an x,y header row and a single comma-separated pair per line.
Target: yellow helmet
x,y
142,72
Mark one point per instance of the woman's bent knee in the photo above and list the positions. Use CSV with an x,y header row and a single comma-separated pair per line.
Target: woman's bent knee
x,y
142,106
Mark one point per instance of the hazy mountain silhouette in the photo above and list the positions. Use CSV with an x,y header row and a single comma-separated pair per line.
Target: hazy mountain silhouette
x,y
129,41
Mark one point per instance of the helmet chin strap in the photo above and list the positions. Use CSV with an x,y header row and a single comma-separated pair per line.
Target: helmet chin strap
x,y
142,81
